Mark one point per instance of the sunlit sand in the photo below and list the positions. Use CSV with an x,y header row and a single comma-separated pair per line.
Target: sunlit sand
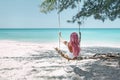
x,y
39,61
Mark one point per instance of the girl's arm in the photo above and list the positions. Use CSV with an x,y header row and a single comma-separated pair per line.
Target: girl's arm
x,y
62,40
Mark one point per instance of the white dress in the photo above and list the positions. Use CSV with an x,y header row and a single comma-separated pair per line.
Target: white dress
x,y
68,53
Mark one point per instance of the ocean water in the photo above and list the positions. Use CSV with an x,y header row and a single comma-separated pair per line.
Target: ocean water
x,y
89,35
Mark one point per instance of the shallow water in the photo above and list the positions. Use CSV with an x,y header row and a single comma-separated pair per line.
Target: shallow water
x,y
89,35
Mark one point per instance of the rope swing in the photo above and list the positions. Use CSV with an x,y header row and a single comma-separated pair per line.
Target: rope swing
x,y
74,39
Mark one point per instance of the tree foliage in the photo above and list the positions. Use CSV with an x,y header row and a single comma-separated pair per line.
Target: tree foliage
x,y
99,9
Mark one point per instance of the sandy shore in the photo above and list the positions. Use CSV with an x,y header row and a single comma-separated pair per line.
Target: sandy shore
x,y
39,61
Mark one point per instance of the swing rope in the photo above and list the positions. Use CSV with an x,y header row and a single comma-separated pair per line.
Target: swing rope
x,y
59,23
79,20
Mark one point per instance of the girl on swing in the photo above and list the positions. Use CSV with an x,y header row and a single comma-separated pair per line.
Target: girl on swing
x,y
73,46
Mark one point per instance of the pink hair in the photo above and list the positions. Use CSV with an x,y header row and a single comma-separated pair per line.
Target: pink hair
x,y
74,42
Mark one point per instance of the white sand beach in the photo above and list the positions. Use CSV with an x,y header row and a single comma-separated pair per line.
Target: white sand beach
x,y
39,61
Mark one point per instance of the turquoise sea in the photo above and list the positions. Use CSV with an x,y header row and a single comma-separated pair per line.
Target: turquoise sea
x,y
94,35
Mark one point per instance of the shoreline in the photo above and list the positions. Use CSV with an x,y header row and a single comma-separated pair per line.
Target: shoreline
x,y
83,44
10,48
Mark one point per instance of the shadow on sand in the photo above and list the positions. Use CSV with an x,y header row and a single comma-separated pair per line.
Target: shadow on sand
x,y
97,71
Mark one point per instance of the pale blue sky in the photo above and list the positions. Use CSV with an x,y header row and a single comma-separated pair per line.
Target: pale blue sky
x,y
26,14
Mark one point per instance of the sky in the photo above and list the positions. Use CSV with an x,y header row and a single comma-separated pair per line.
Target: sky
x,y
26,14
